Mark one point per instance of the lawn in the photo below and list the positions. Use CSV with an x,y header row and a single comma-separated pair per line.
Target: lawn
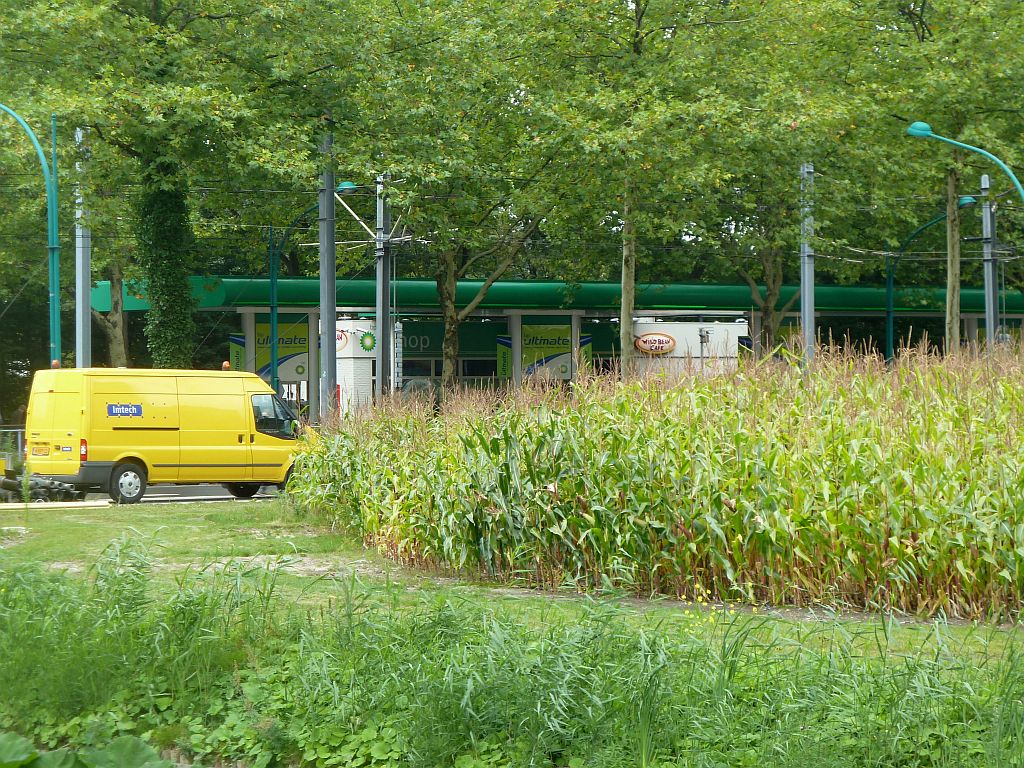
x,y
312,560
238,630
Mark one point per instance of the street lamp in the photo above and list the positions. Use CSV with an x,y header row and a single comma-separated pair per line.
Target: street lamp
x,y
890,272
275,250
924,131
53,242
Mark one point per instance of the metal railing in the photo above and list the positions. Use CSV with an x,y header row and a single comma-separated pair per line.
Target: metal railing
x,y
11,437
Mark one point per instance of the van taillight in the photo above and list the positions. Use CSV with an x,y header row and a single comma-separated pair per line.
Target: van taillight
x,y
83,451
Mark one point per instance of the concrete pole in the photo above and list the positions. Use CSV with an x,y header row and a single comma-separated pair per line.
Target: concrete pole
x,y
328,287
313,374
574,346
385,340
83,272
515,331
952,345
988,226
249,331
807,258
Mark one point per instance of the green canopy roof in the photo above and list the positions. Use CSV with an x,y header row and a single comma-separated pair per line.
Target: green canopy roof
x,y
410,295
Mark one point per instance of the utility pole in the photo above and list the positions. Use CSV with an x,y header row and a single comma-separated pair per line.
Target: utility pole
x,y
274,257
952,259
807,259
328,287
988,236
385,340
83,271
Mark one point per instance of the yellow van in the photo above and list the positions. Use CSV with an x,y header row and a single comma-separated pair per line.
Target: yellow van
x,y
119,430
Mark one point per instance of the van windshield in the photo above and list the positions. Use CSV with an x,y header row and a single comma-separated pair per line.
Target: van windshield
x,y
273,417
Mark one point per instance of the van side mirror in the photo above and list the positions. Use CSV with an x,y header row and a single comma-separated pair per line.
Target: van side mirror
x,y
292,428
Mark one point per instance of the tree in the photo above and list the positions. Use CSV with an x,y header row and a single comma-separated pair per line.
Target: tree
x,y
180,93
448,102
631,106
947,66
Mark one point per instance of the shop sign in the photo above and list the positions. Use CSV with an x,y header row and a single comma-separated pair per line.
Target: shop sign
x,y
655,343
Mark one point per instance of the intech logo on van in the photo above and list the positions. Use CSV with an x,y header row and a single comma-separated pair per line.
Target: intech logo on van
x,y
114,409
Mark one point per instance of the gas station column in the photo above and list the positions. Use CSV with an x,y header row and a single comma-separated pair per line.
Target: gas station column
x,y
313,367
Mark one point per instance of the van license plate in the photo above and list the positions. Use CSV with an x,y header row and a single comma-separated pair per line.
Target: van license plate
x,y
41,450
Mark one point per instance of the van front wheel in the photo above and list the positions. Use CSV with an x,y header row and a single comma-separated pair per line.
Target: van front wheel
x,y
127,483
243,490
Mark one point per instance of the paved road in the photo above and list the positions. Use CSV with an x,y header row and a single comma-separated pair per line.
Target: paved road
x,y
177,493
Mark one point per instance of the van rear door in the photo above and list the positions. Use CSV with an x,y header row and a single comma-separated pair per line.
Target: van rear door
x,y
54,426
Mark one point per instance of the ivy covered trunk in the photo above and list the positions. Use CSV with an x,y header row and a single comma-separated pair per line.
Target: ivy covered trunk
x,y
771,317
772,314
165,254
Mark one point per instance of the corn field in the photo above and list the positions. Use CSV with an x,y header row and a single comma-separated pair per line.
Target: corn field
x,y
850,485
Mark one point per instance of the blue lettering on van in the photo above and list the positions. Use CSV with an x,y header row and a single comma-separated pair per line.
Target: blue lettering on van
x,y
124,410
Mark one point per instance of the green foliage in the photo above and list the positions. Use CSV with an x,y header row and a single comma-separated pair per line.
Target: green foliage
x,y
123,752
361,682
15,751
507,159
852,484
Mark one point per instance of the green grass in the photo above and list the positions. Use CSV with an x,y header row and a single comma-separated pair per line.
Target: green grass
x,y
189,532
167,635
224,665
313,561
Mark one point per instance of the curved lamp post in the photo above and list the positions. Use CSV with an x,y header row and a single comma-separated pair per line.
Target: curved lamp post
x,y
890,272
53,242
924,131
276,248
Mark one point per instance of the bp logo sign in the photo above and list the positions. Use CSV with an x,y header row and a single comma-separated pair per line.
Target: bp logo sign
x,y
368,341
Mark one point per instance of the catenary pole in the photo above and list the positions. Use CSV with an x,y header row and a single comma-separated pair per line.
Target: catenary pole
x,y
328,287
385,344
807,258
83,269
988,234
275,260
54,247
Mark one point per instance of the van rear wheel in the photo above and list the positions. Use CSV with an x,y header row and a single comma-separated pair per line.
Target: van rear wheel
x,y
127,483
243,490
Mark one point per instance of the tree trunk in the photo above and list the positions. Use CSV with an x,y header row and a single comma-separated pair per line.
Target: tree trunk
x,y
771,314
447,279
952,259
626,355
113,323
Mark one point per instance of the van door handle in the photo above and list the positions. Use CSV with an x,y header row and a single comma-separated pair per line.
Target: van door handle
x,y
241,438
252,438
